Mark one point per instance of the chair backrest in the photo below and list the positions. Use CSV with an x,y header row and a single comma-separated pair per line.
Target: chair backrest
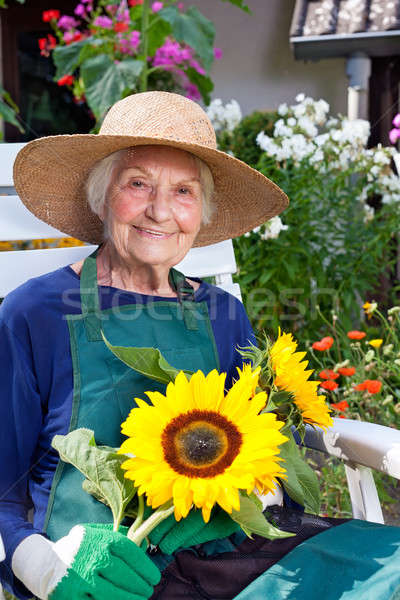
x,y
17,223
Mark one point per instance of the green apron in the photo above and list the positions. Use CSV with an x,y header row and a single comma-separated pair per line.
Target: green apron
x,y
105,388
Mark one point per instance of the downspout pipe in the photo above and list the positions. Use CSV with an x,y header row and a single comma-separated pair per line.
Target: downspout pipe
x,y
358,70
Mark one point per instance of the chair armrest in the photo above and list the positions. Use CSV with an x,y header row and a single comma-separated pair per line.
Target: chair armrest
x,y
359,443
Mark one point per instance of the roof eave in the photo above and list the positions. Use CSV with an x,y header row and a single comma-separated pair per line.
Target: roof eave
x,y
317,47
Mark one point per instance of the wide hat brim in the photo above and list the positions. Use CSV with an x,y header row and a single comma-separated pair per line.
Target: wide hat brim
x,y
50,175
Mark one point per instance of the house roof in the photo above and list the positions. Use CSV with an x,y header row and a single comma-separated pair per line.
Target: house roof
x,y
328,28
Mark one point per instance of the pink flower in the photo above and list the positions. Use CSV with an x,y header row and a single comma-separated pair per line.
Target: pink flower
x,y
181,6
104,22
65,22
80,10
217,53
112,8
156,6
68,36
396,120
135,39
192,92
193,63
123,16
394,135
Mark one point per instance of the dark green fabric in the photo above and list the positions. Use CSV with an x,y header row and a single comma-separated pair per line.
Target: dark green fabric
x,y
171,535
107,565
357,560
105,388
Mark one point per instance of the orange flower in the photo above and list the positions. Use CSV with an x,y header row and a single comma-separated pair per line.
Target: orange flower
x,y
356,335
329,385
373,386
328,374
323,344
347,371
340,406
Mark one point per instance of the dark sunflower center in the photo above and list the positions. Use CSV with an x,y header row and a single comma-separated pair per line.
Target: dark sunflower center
x,y
200,443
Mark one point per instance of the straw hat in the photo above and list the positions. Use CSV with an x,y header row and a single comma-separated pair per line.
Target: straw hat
x,y
50,173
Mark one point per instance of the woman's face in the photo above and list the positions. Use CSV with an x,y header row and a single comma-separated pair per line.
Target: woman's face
x,y
155,205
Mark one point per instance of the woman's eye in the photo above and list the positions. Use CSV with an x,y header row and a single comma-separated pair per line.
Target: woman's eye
x,y
136,184
184,191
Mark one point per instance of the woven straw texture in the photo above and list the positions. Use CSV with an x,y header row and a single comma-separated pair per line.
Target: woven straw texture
x,y
50,173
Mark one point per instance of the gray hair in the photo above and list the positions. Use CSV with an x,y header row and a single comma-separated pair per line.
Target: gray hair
x,y
99,180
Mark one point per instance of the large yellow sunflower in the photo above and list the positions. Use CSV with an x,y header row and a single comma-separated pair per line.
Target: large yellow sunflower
x,y
291,376
198,446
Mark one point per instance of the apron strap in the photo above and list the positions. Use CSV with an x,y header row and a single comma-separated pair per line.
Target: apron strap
x,y
91,306
185,294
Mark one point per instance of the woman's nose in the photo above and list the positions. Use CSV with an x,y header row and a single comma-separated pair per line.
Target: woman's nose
x,y
159,205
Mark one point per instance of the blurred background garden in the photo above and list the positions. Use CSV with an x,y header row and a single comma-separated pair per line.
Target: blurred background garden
x,y
307,92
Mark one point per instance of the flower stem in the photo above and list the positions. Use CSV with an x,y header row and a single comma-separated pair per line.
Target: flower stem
x,y
137,536
139,518
145,44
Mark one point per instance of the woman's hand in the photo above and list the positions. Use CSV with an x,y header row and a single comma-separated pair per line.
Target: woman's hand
x,y
92,561
171,535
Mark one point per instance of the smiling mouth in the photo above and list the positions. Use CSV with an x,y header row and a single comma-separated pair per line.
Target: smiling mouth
x,y
152,232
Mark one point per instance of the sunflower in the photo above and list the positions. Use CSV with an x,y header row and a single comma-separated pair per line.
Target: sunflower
x,y
196,445
291,376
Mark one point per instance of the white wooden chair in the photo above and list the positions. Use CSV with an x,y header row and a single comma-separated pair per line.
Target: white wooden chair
x,y
361,446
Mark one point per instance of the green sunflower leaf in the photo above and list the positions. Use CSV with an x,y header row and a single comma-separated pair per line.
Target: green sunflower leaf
x,y
302,482
147,361
251,520
101,465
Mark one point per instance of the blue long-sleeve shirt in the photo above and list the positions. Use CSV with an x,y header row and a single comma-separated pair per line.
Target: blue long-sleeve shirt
x,y
36,387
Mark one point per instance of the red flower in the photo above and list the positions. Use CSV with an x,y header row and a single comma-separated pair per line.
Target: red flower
x,y
356,335
373,386
347,371
342,417
340,406
323,344
50,15
47,44
329,385
66,80
328,374
77,37
135,2
121,27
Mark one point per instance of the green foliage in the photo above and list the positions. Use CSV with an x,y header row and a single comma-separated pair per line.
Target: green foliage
x,y
105,65
252,521
107,81
194,29
101,466
242,141
4,5
331,254
301,483
147,361
9,110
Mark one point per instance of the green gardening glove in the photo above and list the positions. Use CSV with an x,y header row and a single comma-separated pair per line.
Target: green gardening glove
x,y
170,534
104,565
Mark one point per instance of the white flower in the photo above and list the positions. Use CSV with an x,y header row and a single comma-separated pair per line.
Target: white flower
x,y
281,129
369,355
307,126
273,228
299,110
283,109
300,97
291,122
369,213
224,117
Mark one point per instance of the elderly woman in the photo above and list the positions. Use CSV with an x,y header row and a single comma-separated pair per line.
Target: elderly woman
x,y
149,187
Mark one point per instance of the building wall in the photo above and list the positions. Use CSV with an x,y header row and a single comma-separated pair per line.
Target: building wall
x,y
257,67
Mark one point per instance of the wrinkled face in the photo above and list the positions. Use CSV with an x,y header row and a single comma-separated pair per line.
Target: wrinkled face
x,y
155,205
